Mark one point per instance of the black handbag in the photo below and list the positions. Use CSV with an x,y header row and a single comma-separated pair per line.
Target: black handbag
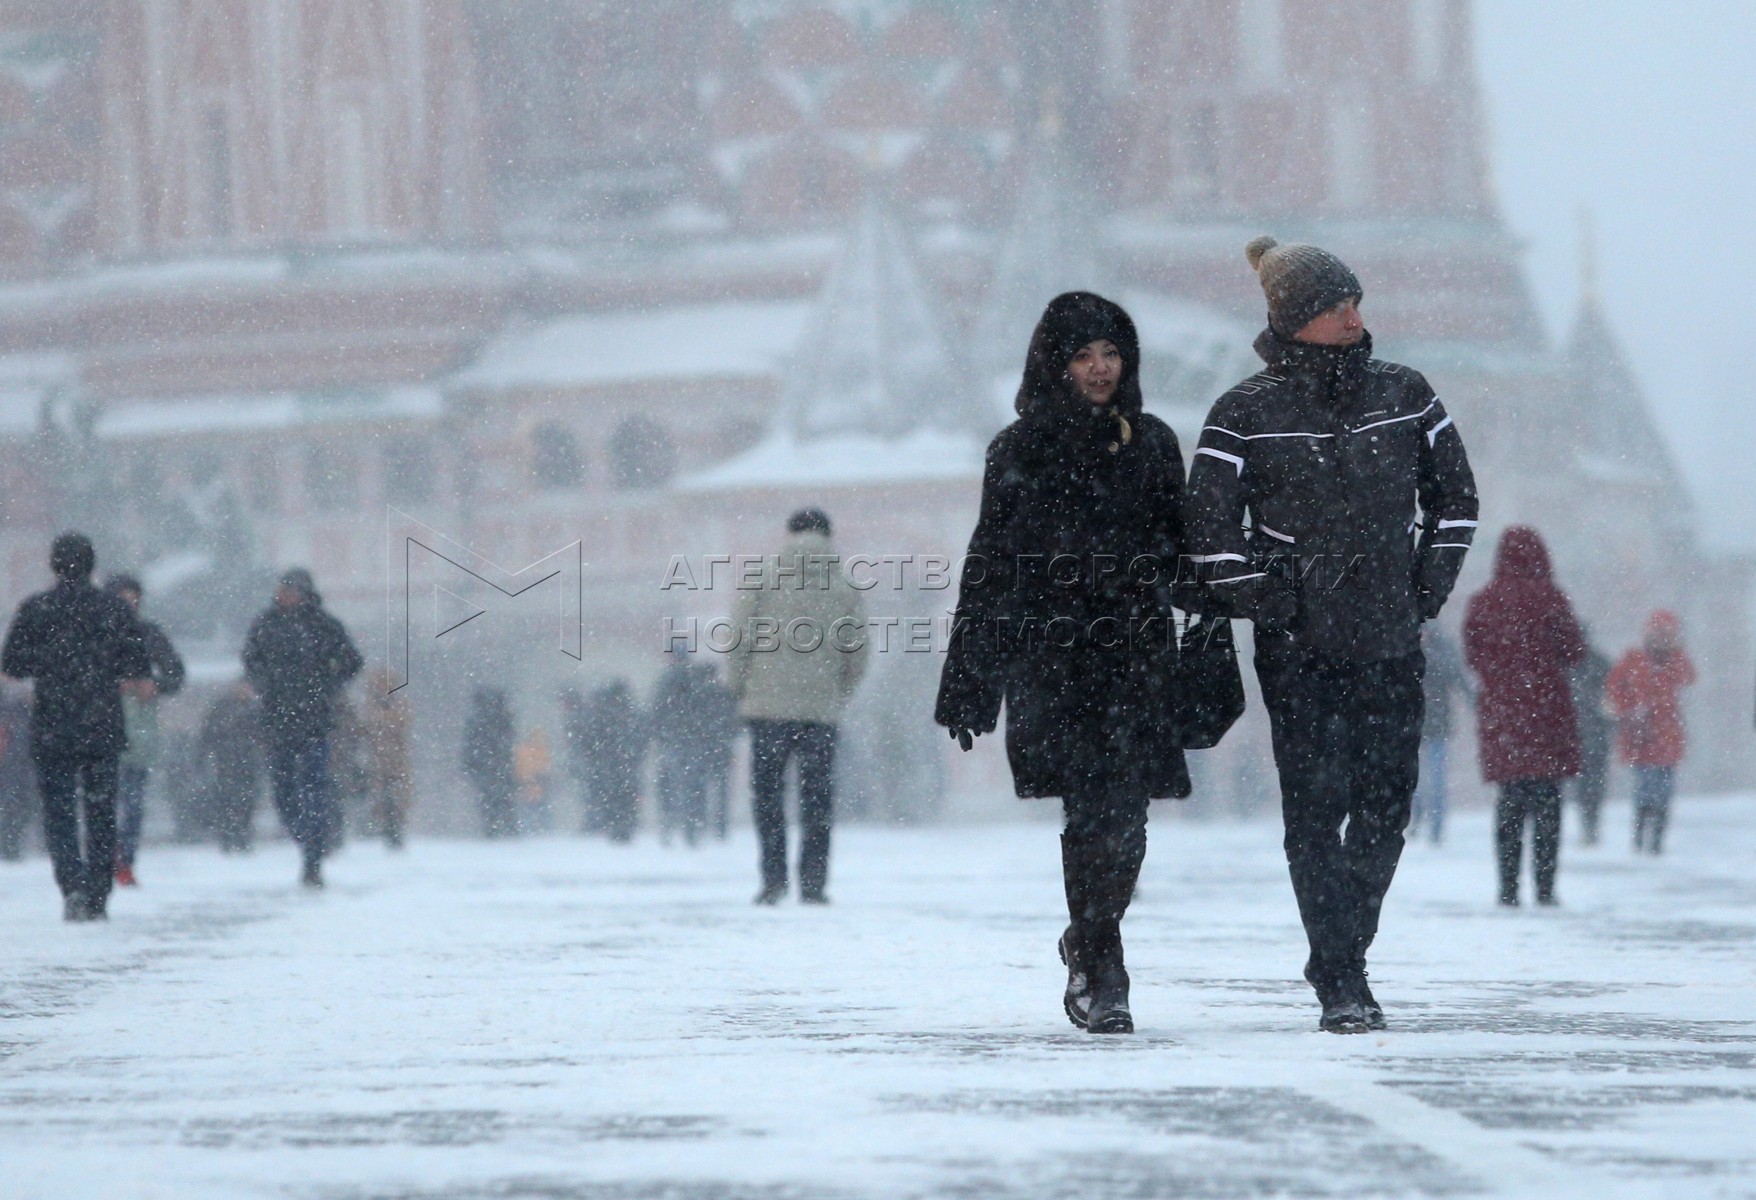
x,y
1207,688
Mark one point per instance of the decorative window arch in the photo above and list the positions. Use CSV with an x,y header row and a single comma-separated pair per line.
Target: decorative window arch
x,y
555,461
642,454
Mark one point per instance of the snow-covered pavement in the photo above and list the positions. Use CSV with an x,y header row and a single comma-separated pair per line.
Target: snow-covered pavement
x,y
560,1018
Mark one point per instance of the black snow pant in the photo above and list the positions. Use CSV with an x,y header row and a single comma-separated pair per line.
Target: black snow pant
x,y
91,871
1538,802
1102,849
1347,744
304,796
772,745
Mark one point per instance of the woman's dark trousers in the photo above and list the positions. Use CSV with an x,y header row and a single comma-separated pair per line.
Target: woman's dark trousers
x,y
1537,801
772,745
1102,849
64,783
1347,744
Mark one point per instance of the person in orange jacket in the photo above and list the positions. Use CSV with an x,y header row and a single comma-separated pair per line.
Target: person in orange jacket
x,y
1642,694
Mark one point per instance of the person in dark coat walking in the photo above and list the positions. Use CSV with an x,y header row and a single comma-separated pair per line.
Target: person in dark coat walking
x,y
1521,639
1445,678
82,646
18,778
298,657
682,724
141,717
230,749
488,736
1064,614
614,744
1361,505
1597,737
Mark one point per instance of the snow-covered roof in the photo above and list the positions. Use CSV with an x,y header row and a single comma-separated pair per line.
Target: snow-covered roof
x,y
708,341
848,460
264,411
876,358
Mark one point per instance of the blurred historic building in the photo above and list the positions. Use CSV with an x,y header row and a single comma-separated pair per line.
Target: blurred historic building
x,y
647,276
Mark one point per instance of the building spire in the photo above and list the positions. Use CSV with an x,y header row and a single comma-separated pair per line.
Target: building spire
x,y
1588,293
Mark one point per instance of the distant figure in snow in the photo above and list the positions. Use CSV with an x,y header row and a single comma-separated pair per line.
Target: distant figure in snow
x,y
800,654
1083,475
721,716
18,778
298,658
532,767
1445,679
687,718
1643,693
1361,507
140,714
82,647
574,719
1597,737
613,739
384,719
488,737
1522,640
230,749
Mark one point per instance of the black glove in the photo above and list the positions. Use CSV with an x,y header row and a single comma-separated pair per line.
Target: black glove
x,y
962,736
1277,611
1428,604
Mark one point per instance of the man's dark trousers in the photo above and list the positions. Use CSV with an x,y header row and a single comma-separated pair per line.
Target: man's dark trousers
x,y
1347,742
60,780
298,770
772,745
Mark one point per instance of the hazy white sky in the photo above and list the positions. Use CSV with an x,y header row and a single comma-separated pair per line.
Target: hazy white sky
x,y
1644,111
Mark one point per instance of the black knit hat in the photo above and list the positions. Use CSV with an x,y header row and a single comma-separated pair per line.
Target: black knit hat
x,y
1301,282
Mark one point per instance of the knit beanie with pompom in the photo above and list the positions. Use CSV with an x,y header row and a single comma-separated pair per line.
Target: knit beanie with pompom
x,y
1301,282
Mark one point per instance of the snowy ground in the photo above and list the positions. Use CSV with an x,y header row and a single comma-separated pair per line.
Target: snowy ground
x,y
565,1019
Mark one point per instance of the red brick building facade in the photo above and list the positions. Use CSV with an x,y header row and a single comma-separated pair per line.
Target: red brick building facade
x,y
534,273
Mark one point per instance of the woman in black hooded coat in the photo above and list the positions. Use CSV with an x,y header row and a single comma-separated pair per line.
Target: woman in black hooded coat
x,y
1064,613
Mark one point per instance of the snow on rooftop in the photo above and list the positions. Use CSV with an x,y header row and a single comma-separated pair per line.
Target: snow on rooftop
x,y
713,341
783,460
266,411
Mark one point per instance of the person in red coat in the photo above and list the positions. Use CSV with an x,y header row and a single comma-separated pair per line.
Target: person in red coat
x,y
1642,695
1520,637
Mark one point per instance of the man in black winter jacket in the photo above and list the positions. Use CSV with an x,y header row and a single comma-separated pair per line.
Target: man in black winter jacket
x,y
79,644
1303,518
297,657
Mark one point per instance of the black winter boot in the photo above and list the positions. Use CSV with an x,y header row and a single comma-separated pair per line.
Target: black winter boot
x,y
1076,1000
1109,1001
1368,1002
1343,1009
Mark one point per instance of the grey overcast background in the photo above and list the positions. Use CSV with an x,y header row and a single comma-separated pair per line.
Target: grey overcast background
x,y
1644,111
